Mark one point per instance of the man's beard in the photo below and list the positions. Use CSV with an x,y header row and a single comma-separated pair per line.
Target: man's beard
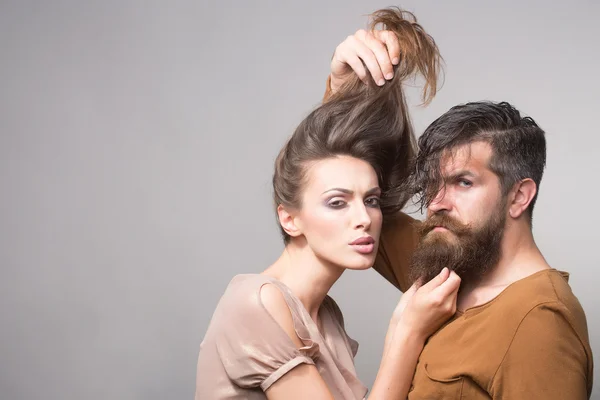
x,y
468,252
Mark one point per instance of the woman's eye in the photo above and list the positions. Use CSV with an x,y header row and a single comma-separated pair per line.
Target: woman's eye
x,y
336,203
465,183
372,202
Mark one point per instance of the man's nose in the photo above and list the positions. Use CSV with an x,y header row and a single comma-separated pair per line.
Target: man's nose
x,y
440,202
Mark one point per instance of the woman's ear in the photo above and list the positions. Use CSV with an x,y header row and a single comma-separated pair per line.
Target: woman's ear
x,y
288,222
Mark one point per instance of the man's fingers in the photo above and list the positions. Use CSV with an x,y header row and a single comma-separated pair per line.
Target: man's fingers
x,y
391,42
368,57
366,53
359,44
357,66
381,54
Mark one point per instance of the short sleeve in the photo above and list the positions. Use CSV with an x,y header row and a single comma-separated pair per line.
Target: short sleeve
x,y
254,350
336,312
546,359
396,246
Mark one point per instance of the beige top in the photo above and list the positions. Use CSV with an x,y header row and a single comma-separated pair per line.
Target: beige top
x,y
245,350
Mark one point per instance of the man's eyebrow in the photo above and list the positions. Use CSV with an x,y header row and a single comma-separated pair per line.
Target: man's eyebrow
x,y
461,174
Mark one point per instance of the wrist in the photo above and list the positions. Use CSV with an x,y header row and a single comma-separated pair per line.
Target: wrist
x,y
409,331
411,338
331,85
401,342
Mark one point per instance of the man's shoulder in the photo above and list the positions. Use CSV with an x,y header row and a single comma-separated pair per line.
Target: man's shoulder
x,y
547,328
549,286
546,290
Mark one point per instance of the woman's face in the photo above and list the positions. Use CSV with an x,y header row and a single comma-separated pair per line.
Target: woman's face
x,y
340,215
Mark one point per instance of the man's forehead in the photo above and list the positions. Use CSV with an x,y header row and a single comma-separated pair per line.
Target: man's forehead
x,y
468,157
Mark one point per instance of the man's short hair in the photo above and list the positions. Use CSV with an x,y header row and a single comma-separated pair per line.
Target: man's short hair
x,y
518,146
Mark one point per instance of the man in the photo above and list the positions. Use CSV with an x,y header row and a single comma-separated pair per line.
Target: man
x,y
520,332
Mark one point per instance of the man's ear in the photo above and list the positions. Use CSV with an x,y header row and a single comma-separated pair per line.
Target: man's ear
x,y
288,221
523,192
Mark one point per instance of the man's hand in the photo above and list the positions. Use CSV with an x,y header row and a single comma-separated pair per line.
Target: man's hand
x,y
379,50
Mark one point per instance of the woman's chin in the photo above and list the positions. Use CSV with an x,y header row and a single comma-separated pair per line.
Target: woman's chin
x,y
361,264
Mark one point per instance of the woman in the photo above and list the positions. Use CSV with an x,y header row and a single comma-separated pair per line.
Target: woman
x,y
277,335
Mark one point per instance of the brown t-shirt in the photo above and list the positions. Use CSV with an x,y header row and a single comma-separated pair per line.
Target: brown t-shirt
x,y
530,342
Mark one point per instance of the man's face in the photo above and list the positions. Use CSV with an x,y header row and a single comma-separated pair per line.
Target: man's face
x,y
465,221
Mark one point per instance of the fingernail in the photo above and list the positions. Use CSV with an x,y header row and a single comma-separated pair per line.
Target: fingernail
x,y
389,76
395,61
381,82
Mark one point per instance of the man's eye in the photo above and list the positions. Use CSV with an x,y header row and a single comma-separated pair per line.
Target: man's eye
x,y
372,202
465,183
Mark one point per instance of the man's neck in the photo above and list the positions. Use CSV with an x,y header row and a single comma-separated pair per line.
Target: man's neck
x,y
520,258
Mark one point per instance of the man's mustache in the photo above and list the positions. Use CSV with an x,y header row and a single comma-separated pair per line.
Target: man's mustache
x,y
444,221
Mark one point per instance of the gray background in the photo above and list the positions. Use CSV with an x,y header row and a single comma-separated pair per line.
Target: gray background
x,y
136,148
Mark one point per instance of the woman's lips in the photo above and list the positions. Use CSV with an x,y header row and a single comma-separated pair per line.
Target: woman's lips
x,y
364,244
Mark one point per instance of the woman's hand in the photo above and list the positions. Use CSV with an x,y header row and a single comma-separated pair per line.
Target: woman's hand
x,y
420,312
429,306
404,300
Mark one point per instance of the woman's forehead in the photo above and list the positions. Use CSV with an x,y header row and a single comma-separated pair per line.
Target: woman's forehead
x,y
343,172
